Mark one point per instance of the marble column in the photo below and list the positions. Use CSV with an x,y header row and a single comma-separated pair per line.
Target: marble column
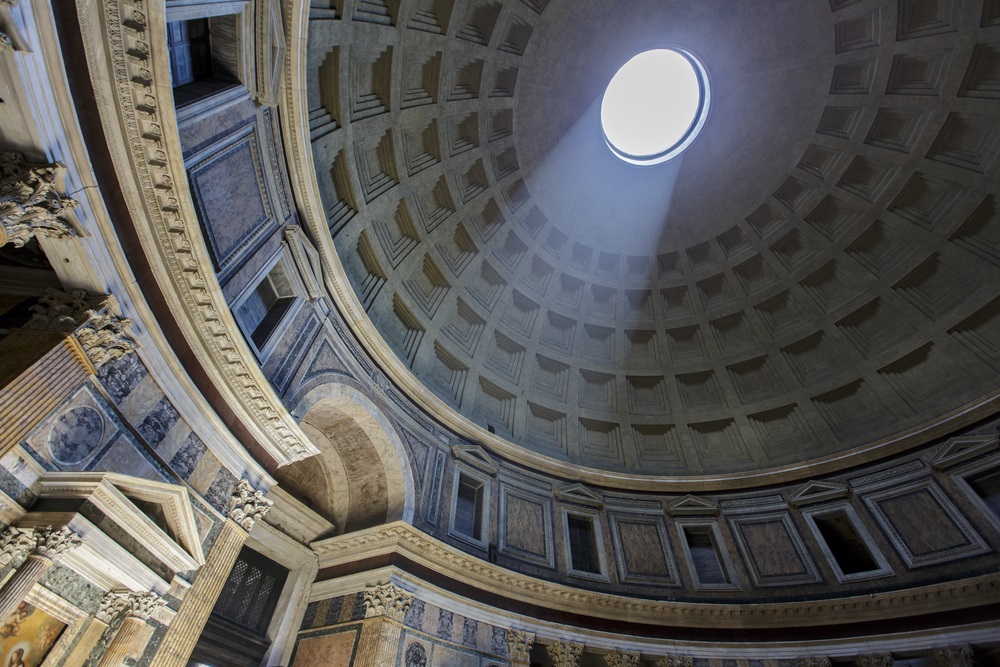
x,y
953,656
519,647
246,507
45,545
565,654
129,641
385,609
622,658
675,661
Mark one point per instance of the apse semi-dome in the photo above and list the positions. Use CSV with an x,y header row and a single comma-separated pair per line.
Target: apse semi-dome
x,y
815,278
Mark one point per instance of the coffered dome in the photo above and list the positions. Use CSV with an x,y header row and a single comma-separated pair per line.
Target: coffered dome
x,y
815,277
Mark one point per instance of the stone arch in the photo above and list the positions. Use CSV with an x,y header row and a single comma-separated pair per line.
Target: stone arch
x,y
361,477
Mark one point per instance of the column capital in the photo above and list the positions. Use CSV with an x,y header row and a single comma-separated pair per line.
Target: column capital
x,y
112,605
953,656
519,645
387,600
247,505
813,661
15,544
29,203
50,543
105,337
675,661
564,654
622,658
874,660
143,605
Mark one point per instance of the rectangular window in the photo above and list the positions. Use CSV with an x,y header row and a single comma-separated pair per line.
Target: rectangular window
x,y
265,306
469,508
987,486
846,543
846,546
204,57
582,544
704,554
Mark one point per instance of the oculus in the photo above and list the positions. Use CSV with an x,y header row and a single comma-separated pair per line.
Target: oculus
x,y
655,106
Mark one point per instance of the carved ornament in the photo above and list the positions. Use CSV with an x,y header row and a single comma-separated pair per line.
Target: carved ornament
x,y
105,337
565,654
112,605
675,661
519,645
874,660
387,600
620,658
50,543
247,505
953,656
29,203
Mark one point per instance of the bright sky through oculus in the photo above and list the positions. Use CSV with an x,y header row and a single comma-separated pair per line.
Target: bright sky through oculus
x,y
654,106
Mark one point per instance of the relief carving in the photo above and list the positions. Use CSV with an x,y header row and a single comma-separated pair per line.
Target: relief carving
x,y
620,658
247,505
29,203
675,661
387,600
519,645
565,654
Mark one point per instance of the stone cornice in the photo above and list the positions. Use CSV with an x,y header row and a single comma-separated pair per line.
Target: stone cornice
x,y
405,540
131,77
302,172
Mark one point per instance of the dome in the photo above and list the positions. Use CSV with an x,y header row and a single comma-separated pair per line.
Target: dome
x,y
810,282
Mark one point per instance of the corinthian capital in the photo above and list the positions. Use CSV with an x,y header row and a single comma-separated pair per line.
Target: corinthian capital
x,y
14,545
565,654
105,337
112,605
675,661
143,605
50,543
247,505
620,658
29,203
953,656
519,645
874,660
813,662
387,600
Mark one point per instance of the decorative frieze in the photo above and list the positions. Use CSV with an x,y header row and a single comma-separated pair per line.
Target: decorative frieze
x,y
387,600
874,660
247,505
29,203
565,654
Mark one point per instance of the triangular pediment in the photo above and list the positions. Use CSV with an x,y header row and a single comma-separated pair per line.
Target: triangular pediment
x,y
476,457
581,495
157,514
817,492
693,505
964,448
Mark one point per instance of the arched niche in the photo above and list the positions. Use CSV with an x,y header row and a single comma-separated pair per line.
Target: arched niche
x,y
361,477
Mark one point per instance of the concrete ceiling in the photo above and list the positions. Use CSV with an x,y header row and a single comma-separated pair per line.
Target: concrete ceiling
x,y
817,273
